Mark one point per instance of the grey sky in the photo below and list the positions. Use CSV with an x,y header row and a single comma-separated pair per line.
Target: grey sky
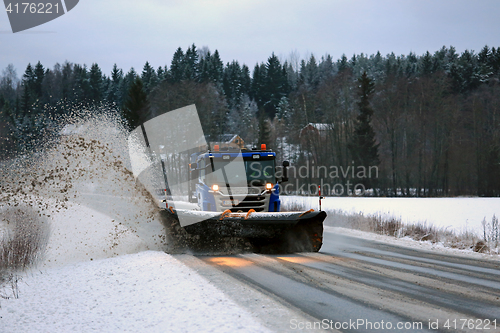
x,y
130,33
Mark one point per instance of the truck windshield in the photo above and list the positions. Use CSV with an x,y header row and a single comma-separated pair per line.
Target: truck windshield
x,y
260,172
254,173
234,172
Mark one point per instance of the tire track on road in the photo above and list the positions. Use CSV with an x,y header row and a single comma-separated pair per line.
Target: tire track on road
x,y
322,294
370,284
447,294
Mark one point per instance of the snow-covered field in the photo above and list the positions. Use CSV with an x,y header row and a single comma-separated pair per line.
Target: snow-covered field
x,y
459,214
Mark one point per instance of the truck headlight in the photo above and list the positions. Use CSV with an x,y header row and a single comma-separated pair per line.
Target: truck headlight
x,y
269,186
215,187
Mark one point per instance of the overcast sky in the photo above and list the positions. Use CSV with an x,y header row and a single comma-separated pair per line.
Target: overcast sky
x,y
129,33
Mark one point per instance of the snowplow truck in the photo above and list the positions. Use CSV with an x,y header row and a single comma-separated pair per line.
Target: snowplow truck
x,y
249,209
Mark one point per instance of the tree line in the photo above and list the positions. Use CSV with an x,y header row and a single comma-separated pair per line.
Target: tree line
x,y
430,122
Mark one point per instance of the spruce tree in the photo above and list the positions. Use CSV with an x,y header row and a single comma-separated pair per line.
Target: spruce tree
x,y
96,83
39,74
342,64
363,147
126,83
135,108
114,94
82,83
204,67
232,83
274,85
28,123
216,70
176,73
28,89
256,86
326,69
149,77
246,80
485,63
309,73
160,74
495,59
468,70
426,64
191,70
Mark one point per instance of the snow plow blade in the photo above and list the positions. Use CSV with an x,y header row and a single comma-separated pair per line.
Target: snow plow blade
x,y
267,232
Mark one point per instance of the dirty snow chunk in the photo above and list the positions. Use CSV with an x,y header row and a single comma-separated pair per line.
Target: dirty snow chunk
x,y
145,292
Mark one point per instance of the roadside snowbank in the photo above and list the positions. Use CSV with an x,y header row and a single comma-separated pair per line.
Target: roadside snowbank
x,y
145,292
459,214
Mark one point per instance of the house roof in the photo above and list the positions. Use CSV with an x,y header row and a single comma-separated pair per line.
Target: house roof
x,y
227,137
320,126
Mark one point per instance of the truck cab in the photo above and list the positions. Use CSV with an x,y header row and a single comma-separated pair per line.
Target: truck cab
x,y
230,179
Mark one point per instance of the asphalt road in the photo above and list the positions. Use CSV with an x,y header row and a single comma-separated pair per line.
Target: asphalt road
x,y
358,285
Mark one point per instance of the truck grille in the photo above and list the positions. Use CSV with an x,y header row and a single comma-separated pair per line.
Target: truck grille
x,y
257,203
240,190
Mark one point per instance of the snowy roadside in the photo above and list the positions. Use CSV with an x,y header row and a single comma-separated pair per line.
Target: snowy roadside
x,y
411,243
105,270
148,291
459,214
